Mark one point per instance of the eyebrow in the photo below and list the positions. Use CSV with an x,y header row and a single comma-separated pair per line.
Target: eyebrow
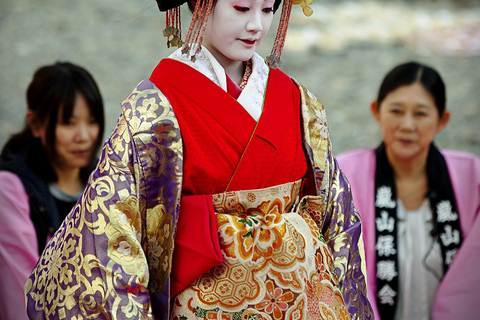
x,y
399,104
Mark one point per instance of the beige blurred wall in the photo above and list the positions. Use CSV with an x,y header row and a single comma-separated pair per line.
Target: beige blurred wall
x,y
340,53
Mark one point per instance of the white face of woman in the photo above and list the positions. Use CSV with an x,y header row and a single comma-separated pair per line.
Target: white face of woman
x,y
409,121
236,28
74,140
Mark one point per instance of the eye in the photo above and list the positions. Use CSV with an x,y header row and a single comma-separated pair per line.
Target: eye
x,y
67,123
267,10
241,9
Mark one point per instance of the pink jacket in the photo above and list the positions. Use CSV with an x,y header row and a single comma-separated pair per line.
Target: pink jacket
x,y
458,295
18,246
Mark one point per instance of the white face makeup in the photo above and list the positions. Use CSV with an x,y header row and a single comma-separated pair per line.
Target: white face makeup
x,y
236,28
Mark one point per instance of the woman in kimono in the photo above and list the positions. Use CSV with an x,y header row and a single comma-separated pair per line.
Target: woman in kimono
x,y
419,205
216,196
43,170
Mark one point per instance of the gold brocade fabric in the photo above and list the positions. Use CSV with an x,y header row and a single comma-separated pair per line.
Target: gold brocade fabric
x,y
111,257
277,264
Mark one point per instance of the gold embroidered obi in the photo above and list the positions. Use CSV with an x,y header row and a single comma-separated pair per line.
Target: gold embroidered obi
x,y
276,262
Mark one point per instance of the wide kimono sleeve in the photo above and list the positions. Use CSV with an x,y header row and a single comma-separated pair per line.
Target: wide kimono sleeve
x,y
111,257
339,221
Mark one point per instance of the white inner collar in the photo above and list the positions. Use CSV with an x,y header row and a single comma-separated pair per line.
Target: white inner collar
x,y
252,96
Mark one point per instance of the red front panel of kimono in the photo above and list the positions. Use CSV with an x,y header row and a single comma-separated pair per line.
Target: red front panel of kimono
x,y
216,129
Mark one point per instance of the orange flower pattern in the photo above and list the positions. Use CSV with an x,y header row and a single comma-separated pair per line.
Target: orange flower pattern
x,y
276,266
275,301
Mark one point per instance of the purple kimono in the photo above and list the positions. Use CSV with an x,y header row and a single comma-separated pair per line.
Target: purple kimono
x,y
111,258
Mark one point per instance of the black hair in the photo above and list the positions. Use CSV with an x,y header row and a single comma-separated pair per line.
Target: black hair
x,y
412,72
52,93
191,4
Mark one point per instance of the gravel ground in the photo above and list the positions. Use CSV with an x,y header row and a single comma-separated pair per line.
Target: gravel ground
x,y
340,53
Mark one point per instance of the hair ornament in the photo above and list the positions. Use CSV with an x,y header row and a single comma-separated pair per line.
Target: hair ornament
x,y
201,12
307,11
173,30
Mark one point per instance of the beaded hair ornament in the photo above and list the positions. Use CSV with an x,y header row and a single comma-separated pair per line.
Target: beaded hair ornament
x,y
201,12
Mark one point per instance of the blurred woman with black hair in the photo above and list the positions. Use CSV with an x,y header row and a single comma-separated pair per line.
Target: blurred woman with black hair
x,y
43,170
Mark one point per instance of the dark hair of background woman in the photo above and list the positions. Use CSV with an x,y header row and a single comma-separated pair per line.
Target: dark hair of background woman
x,y
53,91
409,73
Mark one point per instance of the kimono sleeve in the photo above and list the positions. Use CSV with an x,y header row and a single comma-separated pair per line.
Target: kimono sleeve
x,y
111,257
340,222
18,245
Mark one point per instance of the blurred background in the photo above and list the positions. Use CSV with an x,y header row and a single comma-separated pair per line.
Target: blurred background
x,y
340,53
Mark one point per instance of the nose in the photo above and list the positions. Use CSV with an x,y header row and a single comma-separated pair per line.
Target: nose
x,y
408,123
82,133
255,22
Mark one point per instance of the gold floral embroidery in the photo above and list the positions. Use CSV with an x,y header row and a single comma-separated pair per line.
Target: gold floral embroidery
x,y
76,278
160,245
254,235
268,266
124,234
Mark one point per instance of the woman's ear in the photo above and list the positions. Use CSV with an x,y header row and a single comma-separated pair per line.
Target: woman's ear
x,y
375,111
34,126
443,121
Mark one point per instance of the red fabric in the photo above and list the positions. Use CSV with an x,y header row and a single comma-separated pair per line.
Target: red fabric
x,y
215,131
216,128
275,155
232,88
197,246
